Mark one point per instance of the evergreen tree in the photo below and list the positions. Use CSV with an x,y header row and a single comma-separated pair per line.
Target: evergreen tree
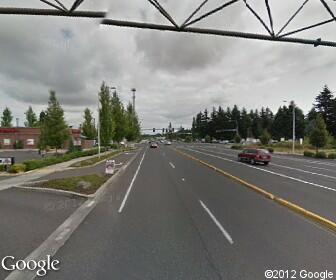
x,y
88,126
31,119
7,118
245,124
54,130
319,135
118,118
256,124
310,121
325,104
105,115
41,118
132,124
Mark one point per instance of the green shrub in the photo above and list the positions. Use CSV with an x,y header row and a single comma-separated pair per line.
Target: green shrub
x,y
207,139
114,146
18,144
38,163
265,137
237,139
332,156
2,168
188,139
308,154
17,168
236,147
321,155
271,150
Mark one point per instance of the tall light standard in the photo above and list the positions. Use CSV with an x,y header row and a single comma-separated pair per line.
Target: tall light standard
x,y
98,127
293,140
133,98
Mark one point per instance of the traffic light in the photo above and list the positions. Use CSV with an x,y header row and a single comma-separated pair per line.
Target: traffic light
x,y
163,130
173,129
153,129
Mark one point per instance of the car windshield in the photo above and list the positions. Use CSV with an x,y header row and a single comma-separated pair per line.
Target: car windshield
x,y
263,151
167,140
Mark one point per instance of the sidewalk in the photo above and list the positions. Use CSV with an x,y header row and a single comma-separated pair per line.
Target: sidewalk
x,y
38,173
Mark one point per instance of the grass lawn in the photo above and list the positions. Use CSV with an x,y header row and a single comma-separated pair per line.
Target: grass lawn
x,y
87,184
96,159
301,150
91,161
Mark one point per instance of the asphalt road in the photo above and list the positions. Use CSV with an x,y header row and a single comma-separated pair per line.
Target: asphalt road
x,y
307,182
169,217
28,218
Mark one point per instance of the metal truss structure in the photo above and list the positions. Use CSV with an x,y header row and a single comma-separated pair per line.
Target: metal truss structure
x,y
56,8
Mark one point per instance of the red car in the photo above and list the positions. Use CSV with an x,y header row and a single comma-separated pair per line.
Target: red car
x,y
254,156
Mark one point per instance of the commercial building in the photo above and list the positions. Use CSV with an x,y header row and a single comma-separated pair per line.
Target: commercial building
x,y
29,137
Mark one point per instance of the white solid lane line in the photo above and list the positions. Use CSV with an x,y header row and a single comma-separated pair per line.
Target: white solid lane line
x,y
320,168
267,171
172,165
131,185
305,171
218,224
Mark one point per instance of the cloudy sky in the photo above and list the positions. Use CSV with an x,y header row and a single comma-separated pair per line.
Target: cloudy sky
x,y
176,75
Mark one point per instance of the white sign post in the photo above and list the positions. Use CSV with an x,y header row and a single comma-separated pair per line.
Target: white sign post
x,y
109,167
5,161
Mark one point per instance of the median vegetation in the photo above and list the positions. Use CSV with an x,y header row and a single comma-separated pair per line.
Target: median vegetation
x,y
94,160
87,184
39,163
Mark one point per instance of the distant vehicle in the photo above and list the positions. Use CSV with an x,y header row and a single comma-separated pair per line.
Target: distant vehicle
x,y
154,145
215,141
254,156
224,142
167,143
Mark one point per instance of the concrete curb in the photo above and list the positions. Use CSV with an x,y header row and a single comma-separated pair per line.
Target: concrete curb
x,y
26,186
53,191
59,237
292,206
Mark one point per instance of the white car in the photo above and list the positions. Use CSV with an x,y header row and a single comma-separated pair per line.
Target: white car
x,y
167,143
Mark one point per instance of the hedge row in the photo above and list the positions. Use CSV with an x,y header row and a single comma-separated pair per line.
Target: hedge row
x,y
319,155
237,147
38,163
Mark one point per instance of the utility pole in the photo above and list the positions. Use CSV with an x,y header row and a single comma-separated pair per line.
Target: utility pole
x,y
293,147
98,128
133,98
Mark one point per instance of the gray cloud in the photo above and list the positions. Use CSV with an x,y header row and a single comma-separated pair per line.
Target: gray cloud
x,y
176,75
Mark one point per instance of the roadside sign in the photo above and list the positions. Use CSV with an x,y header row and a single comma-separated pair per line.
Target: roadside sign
x,y
109,167
6,161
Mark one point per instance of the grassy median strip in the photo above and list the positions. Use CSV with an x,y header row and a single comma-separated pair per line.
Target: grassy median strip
x,y
87,184
292,206
94,160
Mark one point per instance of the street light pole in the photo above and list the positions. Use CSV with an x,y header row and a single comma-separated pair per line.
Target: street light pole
x,y
293,147
98,124
133,98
